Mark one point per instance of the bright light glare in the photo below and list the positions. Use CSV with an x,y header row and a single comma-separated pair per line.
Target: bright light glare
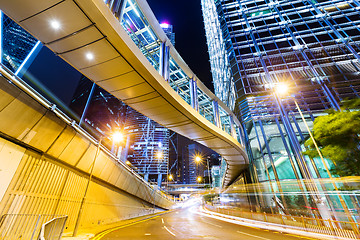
x,y
199,179
164,25
128,162
197,159
55,24
90,56
171,177
281,88
159,155
118,137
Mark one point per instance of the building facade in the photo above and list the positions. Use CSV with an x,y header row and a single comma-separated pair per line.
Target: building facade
x,y
16,43
310,45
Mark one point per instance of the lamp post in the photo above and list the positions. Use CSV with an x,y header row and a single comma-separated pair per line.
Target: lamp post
x,y
198,160
282,89
116,137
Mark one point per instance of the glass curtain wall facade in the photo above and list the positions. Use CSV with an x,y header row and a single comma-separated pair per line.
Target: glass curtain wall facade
x,y
16,43
312,45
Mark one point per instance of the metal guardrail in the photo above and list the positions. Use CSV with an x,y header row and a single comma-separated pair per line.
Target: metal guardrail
x,y
53,229
331,227
23,226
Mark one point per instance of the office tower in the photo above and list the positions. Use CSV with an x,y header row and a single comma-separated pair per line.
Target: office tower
x,y
149,147
168,29
16,43
255,45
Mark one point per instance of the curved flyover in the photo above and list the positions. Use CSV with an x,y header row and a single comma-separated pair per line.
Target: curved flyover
x,y
89,36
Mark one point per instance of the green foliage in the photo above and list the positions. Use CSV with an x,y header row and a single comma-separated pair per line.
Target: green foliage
x,y
338,135
210,197
297,202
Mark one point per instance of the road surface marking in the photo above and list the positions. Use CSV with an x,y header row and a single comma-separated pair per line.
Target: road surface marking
x,y
101,235
252,235
147,234
162,220
212,224
298,236
170,231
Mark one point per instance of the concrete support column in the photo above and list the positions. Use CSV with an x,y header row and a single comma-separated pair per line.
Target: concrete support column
x,y
159,181
116,7
124,153
164,66
194,95
232,128
216,113
10,157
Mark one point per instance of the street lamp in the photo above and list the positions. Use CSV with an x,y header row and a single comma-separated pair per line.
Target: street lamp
x,y
118,137
198,160
282,89
199,179
159,155
115,137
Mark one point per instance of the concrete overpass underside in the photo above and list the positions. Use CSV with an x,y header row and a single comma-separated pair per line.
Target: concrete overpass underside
x,y
45,166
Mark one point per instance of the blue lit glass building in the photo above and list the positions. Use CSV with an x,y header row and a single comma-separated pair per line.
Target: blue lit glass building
x,y
312,45
15,43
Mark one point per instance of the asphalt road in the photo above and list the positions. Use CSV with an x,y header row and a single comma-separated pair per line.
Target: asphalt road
x,y
186,224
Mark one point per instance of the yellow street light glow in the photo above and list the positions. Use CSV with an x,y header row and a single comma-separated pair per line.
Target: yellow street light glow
x,y
128,162
55,24
89,56
118,137
171,177
159,154
199,179
197,159
281,88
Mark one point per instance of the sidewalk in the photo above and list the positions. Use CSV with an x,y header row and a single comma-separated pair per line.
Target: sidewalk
x,y
89,233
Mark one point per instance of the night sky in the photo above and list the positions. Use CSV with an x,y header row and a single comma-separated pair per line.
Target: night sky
x,y
188,26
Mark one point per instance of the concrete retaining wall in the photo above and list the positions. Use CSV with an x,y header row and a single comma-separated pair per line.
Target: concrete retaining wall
x,y
45,165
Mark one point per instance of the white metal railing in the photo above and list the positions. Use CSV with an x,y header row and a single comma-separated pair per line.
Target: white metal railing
x,y
53,229
23,226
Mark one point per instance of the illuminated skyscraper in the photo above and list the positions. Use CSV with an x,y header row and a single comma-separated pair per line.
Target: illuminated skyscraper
x,y
16,43
168,29
312,45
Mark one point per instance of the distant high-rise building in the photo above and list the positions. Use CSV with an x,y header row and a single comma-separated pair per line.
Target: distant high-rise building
x,y
16,43
149,147
168,29
311,45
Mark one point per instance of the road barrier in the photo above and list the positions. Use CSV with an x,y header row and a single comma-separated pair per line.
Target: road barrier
x,y
53,229
23,226
332,227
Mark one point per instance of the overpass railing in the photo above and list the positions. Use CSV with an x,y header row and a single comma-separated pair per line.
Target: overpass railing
x,y
137,19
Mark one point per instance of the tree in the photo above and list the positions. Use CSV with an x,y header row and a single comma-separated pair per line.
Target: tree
x,y
337,135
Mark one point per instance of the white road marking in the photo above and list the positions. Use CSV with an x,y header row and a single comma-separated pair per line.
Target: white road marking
x,y
147,234
162,220
212,224
170,231
252,235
